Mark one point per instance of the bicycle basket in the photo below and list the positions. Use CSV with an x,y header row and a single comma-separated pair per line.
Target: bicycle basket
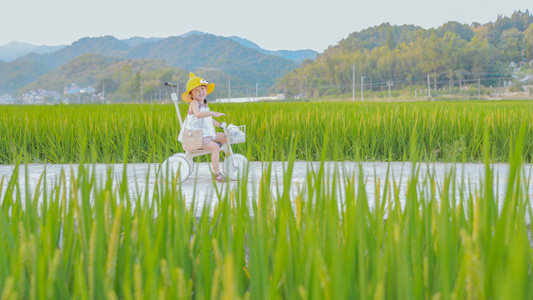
x,y
236,134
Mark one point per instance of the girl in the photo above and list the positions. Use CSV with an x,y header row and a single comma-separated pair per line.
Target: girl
x,y
199,116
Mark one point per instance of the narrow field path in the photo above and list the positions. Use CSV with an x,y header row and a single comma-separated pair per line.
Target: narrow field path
x,y
141,178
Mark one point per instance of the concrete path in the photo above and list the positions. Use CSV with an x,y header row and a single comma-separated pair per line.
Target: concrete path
x,y
142,177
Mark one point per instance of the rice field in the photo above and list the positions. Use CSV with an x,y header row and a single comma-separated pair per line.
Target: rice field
x,y
90,238
447,131
99,242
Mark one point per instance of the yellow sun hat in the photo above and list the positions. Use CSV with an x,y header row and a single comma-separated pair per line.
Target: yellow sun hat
x,y
193,83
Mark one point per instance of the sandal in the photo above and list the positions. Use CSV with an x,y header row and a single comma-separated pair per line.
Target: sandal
x,y
220,177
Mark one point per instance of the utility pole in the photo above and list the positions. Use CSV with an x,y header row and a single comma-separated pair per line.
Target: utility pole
x,y
284,91
353,83
460,85
103,92
478,88
362,98
530,86
305,86
142,83
429,88
499,87
229,89
391,83
256,91
450,82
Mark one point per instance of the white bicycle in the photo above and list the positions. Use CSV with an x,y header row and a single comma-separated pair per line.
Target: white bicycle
x,y
181,165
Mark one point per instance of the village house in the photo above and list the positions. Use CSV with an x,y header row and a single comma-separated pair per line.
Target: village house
x,y
71,89
88,90
7,99
40,97
74,89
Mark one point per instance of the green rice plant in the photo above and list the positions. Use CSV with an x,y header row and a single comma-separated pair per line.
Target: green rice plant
x,y
85,238
447,131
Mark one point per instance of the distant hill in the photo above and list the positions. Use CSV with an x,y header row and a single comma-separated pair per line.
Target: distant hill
x,y
106,45
374,37
194,51
137,40
15,74
91,69
192,32
246,43
297,56
191,52
84,70
453,53
14,50
206,51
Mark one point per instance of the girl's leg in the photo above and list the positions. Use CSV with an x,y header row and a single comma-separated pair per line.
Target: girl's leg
x,y
215,155
221,138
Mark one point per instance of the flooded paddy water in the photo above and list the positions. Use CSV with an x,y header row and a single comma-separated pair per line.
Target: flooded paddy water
x,y
142,179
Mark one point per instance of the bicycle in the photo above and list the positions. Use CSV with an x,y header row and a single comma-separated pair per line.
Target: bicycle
x,y
182,164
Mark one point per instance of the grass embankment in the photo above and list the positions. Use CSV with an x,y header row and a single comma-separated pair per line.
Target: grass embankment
x,y
448,131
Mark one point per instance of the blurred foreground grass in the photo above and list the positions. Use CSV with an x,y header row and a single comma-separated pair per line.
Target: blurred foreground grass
x,y
82,239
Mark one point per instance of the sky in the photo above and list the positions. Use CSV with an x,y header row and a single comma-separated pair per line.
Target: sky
x,y
272,24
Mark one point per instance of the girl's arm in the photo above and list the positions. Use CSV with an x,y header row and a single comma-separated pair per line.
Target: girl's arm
x,y
203,114
219,124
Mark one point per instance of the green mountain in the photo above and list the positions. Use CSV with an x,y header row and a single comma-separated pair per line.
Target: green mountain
x,y
15,74
297,56
124,78
203,53
84,71
106,45
374,37
454,53
13,50
95,69
207,51
137,40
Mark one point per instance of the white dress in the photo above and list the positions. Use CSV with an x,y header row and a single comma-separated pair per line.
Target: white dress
x,y
192,122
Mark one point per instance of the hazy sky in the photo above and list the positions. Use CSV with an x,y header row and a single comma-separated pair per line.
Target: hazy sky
x,y
272,24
